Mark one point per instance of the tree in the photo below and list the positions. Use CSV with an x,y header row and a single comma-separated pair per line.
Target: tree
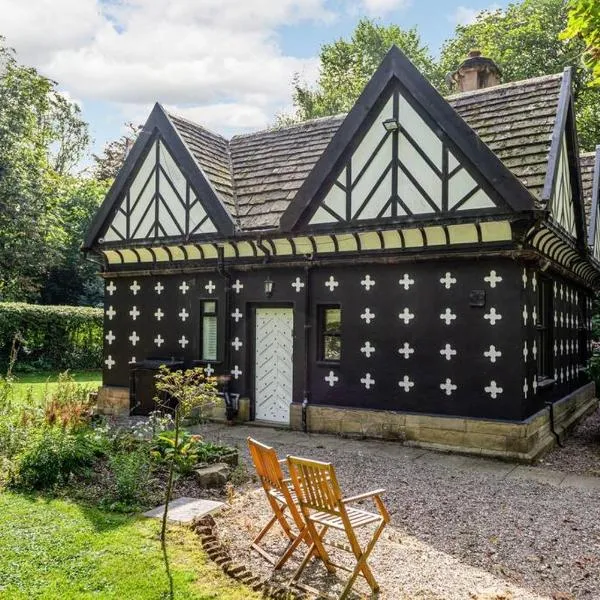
x,y
583,20
524,41
114,153
346,67
41,138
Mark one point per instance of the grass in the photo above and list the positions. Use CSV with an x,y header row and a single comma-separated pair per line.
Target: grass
x,y
41,382
56,549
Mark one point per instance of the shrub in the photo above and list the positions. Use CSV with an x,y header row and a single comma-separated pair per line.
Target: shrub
x,y
185,453
51,337
131,472
53,454
70,403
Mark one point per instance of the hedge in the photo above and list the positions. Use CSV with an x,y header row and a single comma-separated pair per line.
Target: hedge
x,y
51,337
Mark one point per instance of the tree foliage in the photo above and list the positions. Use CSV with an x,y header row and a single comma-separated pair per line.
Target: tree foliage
x,y
347,65
524,40
583,21
113,155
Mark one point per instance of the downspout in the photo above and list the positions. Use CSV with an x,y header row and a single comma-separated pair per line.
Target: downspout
x,y
550,404
224,274
307,328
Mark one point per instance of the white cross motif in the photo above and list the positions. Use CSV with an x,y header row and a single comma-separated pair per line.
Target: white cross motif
x,y
135,287
492,279
236,372
561,291
237,286
367,381
533,285
448,387
492,316
406,350
331,283
367,349
110,362
298,284
562,375
110,337
448,280
555,319
406,281
534,350
159,287
535,384
448,352
237,343
183,341
448,316
367,316
331,379
210,287
111,288
134,338
555,289
492,353
525,388
159,314
525,315
406,383
110,313
367,283
159,340
184,314
184,287
237,315
524,279
493,390
135,313
561,347
526,351
533,315
209,370
406,316
132,360
562,320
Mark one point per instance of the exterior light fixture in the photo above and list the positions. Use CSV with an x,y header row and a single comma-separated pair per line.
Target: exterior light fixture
x,y
391,124
268,287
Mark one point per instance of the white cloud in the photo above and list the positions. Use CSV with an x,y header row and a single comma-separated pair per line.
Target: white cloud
x,y
463,15
381,7
217,58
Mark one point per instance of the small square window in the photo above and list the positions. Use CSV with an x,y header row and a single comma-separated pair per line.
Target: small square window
x,y
330,329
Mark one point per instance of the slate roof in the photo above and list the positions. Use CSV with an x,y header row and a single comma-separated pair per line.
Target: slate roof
x,y
256,175
587,175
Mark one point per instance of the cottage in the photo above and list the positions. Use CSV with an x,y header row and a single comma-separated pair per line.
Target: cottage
x,y
419,268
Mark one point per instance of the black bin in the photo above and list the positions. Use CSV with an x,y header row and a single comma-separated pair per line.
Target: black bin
x,y
142,386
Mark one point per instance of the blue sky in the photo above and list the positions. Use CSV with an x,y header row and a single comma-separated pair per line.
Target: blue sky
x,y
224,63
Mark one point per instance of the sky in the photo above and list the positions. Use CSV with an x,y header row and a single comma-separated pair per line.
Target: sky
x,y
226,64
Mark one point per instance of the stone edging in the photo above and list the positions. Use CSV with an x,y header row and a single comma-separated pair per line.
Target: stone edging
x,y
205,529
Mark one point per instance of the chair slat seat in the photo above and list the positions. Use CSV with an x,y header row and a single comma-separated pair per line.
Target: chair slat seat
x,y
357,518
280,497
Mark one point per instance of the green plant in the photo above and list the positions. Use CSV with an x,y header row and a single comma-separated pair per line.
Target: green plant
x,y
52,455
69,403
184,450
131,472
51,337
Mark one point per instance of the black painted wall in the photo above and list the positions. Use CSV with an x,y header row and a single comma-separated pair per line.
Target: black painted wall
x,y
475,299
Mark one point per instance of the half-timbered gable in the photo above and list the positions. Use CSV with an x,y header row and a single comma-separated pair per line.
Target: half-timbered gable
x,y
415,269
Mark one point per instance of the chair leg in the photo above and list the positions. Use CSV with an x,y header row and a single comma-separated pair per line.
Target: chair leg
x,y
316,549
277,517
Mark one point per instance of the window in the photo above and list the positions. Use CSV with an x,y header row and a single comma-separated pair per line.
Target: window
x,y
208,337
330,328
544,329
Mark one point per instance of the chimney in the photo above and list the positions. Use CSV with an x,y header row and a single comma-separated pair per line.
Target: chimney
x,y
476,72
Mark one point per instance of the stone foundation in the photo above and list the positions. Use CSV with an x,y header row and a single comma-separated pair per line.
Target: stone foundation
x,y
113,401
523,441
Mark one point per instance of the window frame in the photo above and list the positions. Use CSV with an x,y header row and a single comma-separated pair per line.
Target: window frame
x,y
545,329
204,314
322,309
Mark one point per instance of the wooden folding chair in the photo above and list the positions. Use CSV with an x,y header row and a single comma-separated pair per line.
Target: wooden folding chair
x,y
322,504
281,497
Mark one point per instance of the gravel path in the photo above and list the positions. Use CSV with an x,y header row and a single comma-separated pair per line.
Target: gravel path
x,y
581,453
457,533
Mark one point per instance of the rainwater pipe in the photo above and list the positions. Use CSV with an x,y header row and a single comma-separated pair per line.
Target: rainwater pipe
x,y
550,405
307,328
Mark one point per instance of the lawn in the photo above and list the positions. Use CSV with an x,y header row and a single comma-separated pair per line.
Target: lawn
x,y
43,382
55,549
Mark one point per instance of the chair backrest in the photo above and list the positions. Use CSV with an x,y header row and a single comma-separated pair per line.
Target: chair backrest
x,y
266,464
316,485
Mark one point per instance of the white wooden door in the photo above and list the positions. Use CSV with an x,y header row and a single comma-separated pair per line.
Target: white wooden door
x,y
274,368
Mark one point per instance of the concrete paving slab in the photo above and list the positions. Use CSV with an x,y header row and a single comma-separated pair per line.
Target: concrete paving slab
x,y
184,510
549,476
581,482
